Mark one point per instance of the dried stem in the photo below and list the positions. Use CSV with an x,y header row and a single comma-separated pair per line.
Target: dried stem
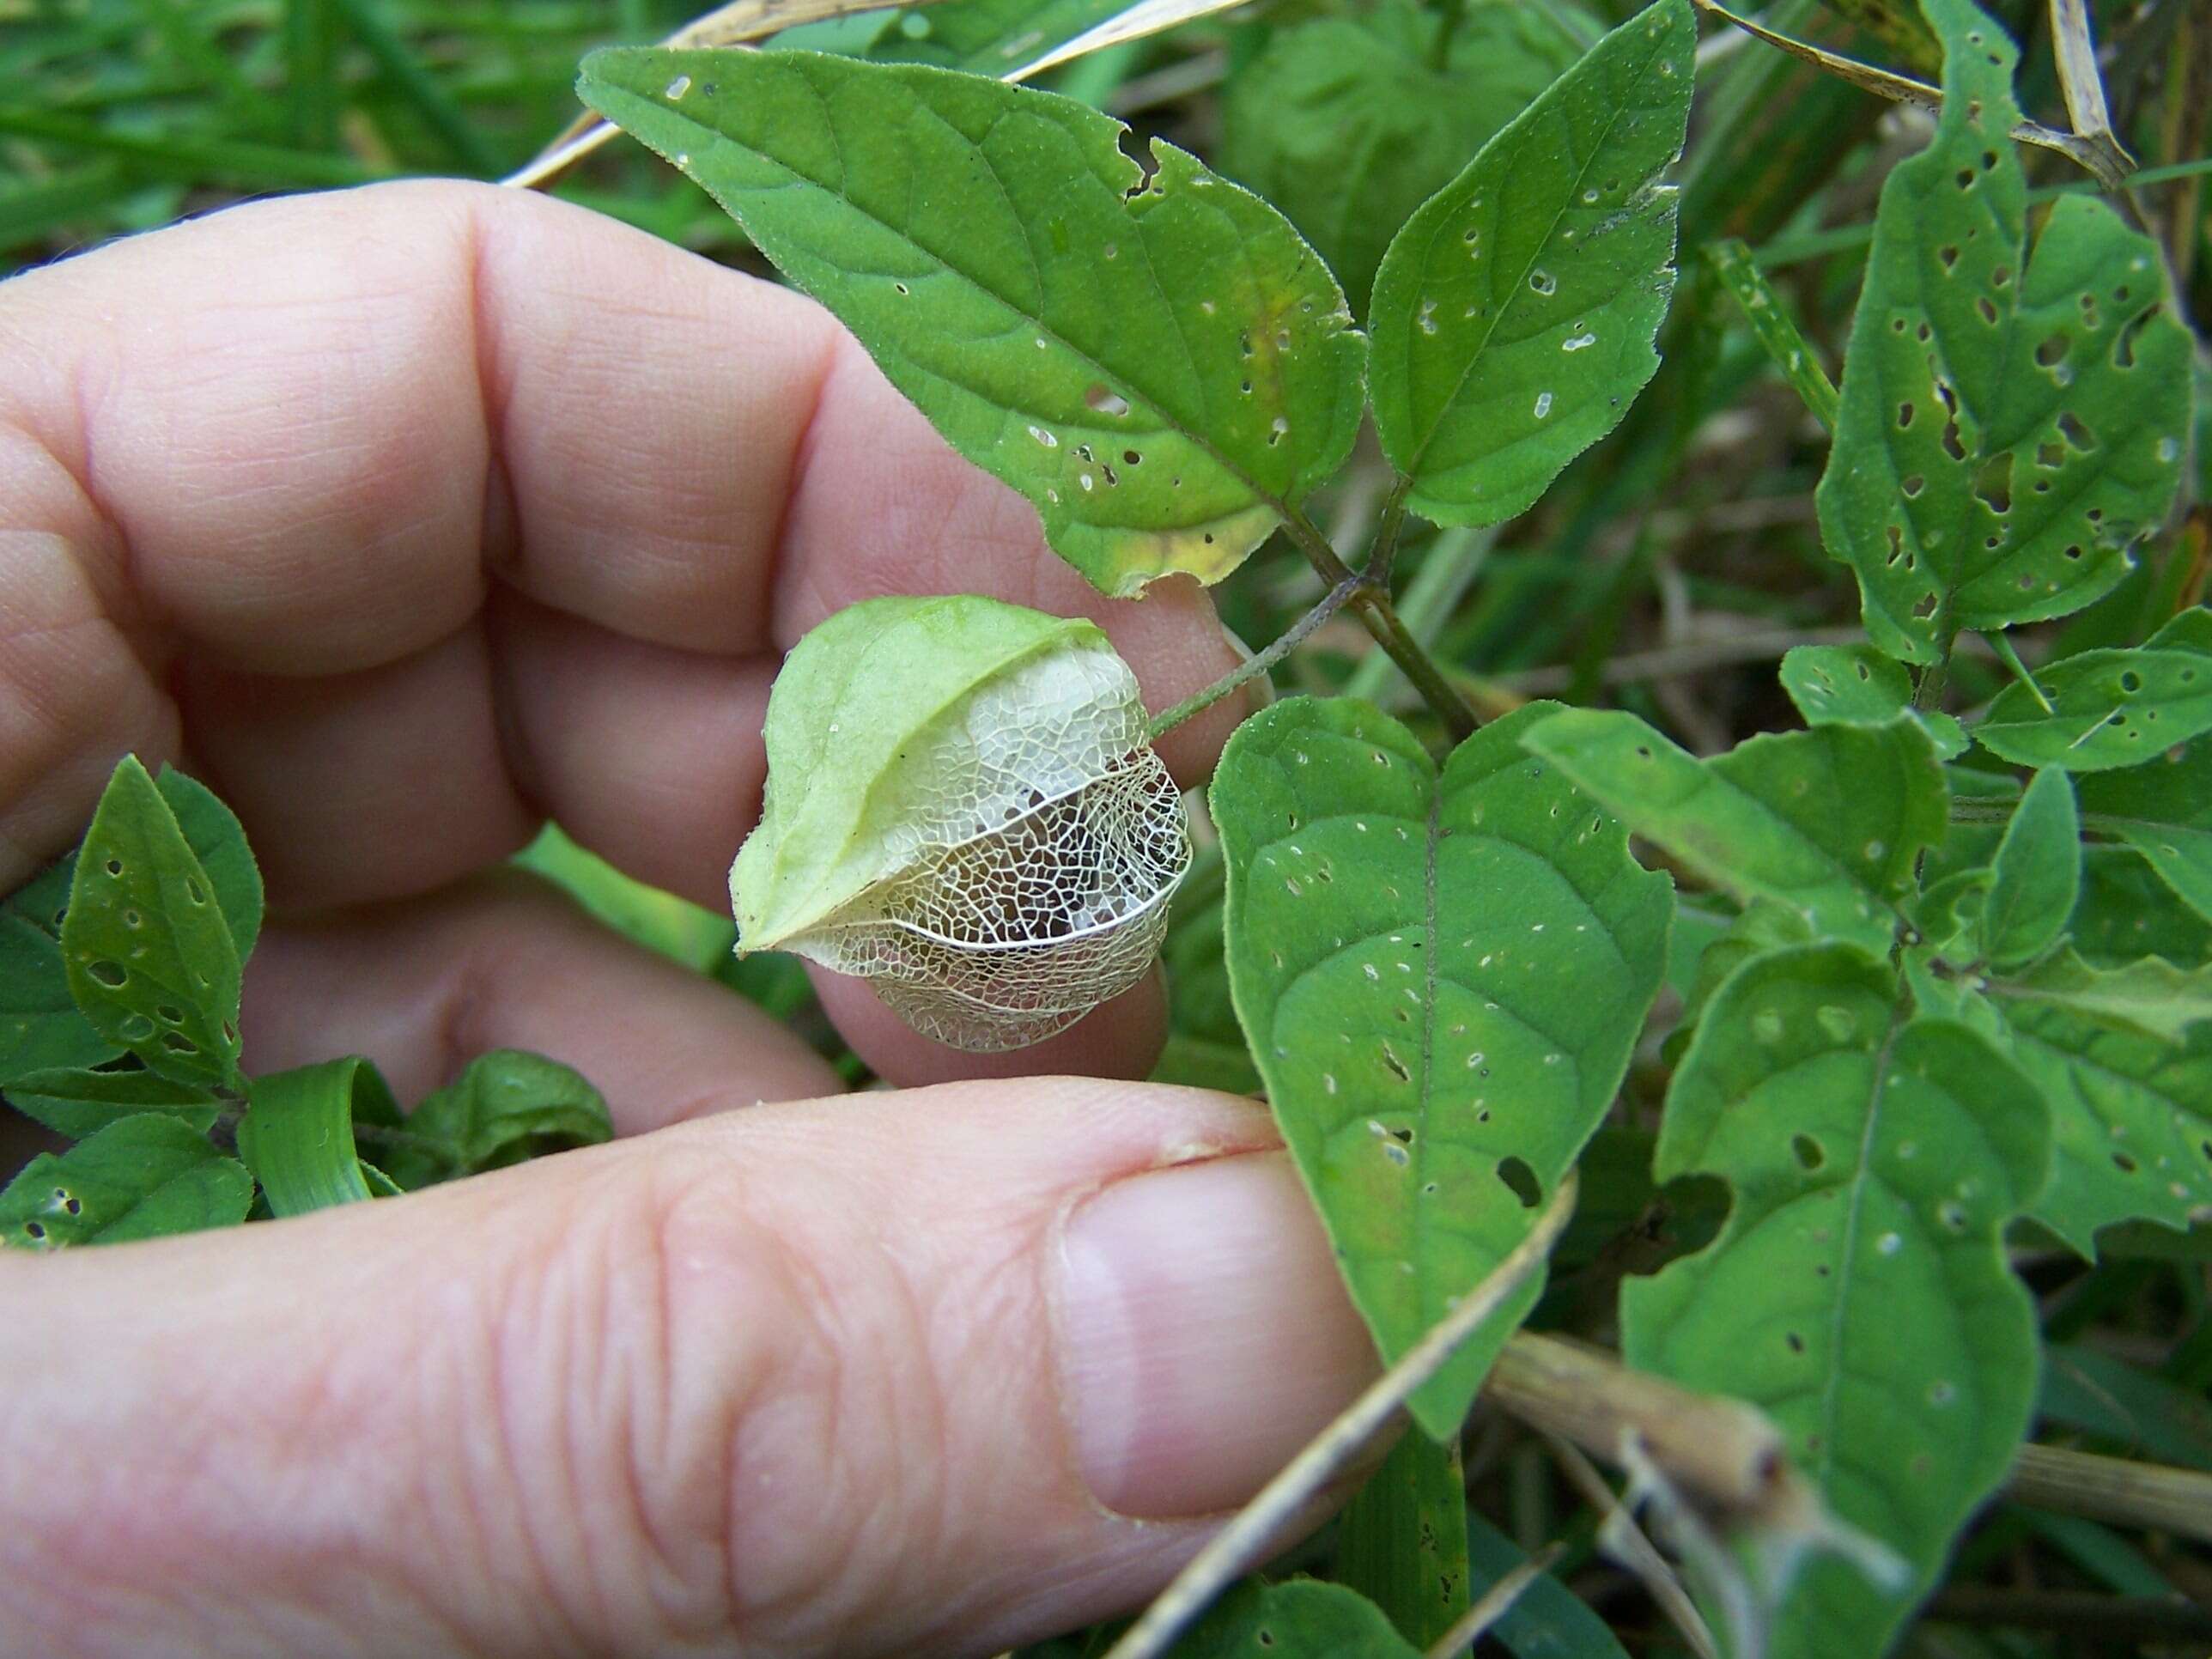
x,y
1625,1540
1720,1452
1495,1603
1246,1540
2149,1496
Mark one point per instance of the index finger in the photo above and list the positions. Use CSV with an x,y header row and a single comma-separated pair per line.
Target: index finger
x,y
273,463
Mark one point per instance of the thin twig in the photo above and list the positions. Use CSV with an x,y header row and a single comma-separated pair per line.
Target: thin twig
x,y
1496,1602
1625,1542
1258,664
1904,89
1246,1540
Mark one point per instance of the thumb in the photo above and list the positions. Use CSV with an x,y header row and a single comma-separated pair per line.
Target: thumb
x,y
915,1373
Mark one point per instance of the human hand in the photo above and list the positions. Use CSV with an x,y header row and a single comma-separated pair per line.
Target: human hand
x,y
408,517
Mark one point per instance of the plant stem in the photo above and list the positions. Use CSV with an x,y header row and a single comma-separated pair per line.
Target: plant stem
x,y
1383,553
1329,604
1440,53
1453,562
2147,1495
1381,622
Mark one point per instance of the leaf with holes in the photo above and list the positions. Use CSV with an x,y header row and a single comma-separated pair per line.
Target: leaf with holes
x,y
2130,1120
143,1177
40,1028
2037,875
507,1106
298,1134
2010,428
211,830
1515,314
1349,122
1858,686
2109,708
1163,368
1858,1293
78,1104
1825,824
1302,1618
1441,980
149,957
2163,809
2150,995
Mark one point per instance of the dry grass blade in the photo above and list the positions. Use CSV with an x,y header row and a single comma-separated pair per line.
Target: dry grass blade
x,y
2084,153
2075,50
1495,1603
1625,1540
1246,1540
736,24
1145,17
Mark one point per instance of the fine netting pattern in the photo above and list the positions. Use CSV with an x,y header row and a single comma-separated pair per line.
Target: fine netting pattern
x,y
1032,884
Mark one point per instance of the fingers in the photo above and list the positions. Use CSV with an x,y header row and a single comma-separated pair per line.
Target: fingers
x,y
505,961
1118,1039
289,442
888,1375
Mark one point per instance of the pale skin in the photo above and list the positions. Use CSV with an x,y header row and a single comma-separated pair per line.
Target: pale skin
x,y
408,517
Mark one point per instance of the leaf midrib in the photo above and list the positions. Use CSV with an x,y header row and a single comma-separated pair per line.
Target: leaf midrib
x,y
1482,348
1847,1277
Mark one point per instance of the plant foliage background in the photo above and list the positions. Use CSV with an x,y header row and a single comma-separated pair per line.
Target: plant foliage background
x,y
1774,777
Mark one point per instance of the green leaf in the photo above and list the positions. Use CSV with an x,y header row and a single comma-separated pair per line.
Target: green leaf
x,y
1401,1541
2150,995
40,1028
1546,1620
1858,686
507,1106
1825,824
1348,124
142,1178
1300,1620
2037,875
211,830
298,1133
2130,1120
1164,369
2109,708
1442,981
78,1104
2163,809
963,806
2124,913
150,957
1515,314
2009,427
1775,329
1858,1293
